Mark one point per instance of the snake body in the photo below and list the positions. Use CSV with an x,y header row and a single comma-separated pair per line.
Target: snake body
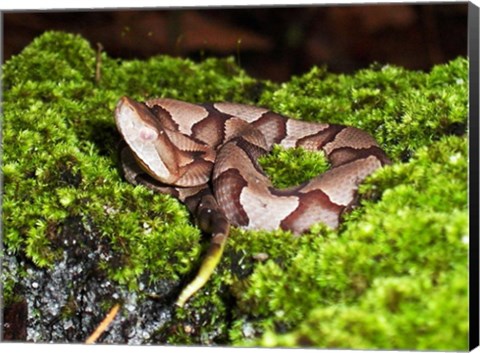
x,y
207,155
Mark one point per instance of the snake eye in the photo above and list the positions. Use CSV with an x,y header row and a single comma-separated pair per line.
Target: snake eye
x,y
147,134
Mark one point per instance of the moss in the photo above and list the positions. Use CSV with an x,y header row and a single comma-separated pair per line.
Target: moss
x,y
292,166
406,237
387,316
394,276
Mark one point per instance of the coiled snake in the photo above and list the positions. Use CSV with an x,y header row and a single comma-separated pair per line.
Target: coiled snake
x,y
206,155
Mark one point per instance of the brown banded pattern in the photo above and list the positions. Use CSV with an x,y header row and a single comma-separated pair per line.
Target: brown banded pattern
x,y
206,155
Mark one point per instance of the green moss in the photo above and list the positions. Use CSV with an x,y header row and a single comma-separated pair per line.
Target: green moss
x,y
394,276
293,166
406,237
388,316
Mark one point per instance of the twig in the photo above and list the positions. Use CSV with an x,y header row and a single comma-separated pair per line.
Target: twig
x,y
103,325
98,65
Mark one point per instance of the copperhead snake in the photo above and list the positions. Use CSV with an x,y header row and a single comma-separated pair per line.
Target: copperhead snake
x,y
206,155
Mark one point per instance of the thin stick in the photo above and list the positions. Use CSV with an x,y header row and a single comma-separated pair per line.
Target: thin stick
x,y
103,325
98,64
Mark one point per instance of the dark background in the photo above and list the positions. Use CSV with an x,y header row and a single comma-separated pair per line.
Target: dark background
x,y
269,42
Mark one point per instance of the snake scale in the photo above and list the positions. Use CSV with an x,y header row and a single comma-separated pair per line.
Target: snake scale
x,y
206,155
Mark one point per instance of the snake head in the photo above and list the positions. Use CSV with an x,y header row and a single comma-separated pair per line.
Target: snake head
x,y
146,138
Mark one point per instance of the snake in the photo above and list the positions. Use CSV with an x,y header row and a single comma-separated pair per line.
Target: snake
x,y
207,156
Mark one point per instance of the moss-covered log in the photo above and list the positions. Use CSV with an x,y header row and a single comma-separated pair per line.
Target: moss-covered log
x,y
77,238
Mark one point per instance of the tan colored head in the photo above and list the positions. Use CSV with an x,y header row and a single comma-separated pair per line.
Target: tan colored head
x,y
142,132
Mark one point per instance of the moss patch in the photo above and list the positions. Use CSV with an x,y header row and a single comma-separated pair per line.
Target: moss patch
x,y
394,276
